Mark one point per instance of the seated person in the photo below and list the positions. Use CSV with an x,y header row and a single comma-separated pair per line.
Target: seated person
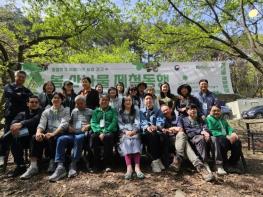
x,y
53,122
28,122
197,132
225,136
79,124
179,140
104,125
185,99
151,124
130,143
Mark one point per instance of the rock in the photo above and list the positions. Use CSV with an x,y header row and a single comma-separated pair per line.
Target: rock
x,y
180,193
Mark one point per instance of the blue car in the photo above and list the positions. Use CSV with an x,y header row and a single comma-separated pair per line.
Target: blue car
x,y
254,112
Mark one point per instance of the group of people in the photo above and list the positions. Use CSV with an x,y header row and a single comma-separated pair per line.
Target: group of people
x,y
170,128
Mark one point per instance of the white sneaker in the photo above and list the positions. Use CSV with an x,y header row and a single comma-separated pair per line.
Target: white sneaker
x,y
59,173
220,170
51,166
155,166
207,167
161,164
31,171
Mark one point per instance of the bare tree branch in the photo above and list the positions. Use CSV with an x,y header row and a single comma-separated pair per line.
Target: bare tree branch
x,y
218,22
241,53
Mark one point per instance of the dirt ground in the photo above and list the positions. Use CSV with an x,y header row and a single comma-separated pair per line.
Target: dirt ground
x,y
169,183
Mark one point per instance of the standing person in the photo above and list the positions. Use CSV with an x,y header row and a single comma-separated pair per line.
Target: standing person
x,y
227,139
120,89
47,94
140,93
132,90
69,95
79,125
92,96
179,140
186,99
197,132
104,124
53,122
16,97
99,88
114,99
24,121
166,97
150,90
205,97
130,143
152,122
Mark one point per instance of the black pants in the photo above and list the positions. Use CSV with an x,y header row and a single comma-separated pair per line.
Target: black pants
x,y
158,146
38,147
18,146
7,141
107,144
235,149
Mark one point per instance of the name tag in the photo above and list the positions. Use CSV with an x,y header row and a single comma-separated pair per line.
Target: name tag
x,y
205,106
78,125
102,123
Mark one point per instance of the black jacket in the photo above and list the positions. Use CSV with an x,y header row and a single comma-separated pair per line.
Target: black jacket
x,y
69,101
92,99
192,128
15,99
190,100
29,120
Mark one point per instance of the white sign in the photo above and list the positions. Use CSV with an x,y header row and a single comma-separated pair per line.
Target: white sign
x,y
175,73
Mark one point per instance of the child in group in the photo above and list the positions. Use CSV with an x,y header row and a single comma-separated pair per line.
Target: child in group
x,y
130,144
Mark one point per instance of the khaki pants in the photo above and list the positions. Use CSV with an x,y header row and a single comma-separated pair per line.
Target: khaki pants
x,y
184,149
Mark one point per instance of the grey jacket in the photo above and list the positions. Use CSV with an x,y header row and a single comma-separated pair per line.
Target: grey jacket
x,y
84,116
52,119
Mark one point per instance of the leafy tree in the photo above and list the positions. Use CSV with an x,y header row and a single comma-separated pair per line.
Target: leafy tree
x,y
49,28
209,25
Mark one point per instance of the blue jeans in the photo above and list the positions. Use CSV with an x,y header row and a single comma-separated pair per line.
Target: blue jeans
x,y
64,141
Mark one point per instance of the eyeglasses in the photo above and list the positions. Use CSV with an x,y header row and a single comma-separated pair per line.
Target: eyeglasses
x,y
133,90
33,102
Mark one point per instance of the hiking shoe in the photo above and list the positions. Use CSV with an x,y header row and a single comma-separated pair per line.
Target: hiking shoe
x,y
207,167
160,164
155,166
140,175
59,173
220,170
51,166
17,172
176,165
108,169
128,176
72,170
207,176
233,169
31,171
2,161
